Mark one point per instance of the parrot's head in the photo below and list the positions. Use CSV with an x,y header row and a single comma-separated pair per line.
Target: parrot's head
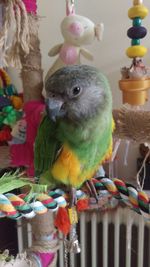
x,y
77,93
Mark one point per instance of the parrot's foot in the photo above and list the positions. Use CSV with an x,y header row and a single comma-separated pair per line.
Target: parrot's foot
x,y
92,190
73,197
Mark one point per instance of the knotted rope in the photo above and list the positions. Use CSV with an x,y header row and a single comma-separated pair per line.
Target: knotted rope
x,y
14,14
28,206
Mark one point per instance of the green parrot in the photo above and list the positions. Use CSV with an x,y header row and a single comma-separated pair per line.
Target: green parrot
x,y
75,136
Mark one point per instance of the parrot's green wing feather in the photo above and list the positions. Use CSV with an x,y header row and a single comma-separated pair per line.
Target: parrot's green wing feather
x,y
46,147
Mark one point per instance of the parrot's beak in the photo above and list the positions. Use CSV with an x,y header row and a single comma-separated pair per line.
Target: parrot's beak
x,y
53,108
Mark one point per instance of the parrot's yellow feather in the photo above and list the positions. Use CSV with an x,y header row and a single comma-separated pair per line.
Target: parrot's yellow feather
x,y
67,167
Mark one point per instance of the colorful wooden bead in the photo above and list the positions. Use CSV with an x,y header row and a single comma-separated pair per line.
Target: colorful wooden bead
x,y
137,32
135,42
4,102
136,51
10,90
137,11
137,21
17,102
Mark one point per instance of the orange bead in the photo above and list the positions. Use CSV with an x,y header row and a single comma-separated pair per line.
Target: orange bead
x,y
17,102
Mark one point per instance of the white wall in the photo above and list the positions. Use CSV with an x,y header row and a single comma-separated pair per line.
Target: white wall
x,y
109,55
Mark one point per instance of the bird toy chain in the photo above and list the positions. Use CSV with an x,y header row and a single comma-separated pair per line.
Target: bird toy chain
x,y
70,7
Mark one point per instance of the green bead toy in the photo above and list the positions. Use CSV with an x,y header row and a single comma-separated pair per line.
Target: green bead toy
x,y
135,42
137,21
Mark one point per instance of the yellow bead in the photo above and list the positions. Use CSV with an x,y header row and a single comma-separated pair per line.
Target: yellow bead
x,y
136,51
137,11
73,215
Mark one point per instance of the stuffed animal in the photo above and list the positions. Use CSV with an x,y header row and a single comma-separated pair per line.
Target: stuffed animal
x,y
77,31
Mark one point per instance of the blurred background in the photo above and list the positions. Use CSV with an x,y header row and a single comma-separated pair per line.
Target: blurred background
x,y
109,55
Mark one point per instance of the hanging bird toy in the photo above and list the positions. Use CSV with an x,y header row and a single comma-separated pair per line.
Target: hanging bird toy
x,y
10,107
136,79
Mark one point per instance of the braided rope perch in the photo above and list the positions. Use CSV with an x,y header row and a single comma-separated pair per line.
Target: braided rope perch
x,y
14,206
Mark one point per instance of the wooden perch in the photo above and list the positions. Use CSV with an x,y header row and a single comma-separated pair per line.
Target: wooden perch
x,y
132,125
42,228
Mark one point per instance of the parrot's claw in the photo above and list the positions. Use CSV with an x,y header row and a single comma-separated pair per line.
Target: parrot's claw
x,y
73,198
92,190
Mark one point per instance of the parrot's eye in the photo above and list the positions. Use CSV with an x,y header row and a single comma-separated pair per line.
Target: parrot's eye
x,y
76,91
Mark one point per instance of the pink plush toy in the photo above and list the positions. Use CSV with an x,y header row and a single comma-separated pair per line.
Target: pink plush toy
x,y
77,31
